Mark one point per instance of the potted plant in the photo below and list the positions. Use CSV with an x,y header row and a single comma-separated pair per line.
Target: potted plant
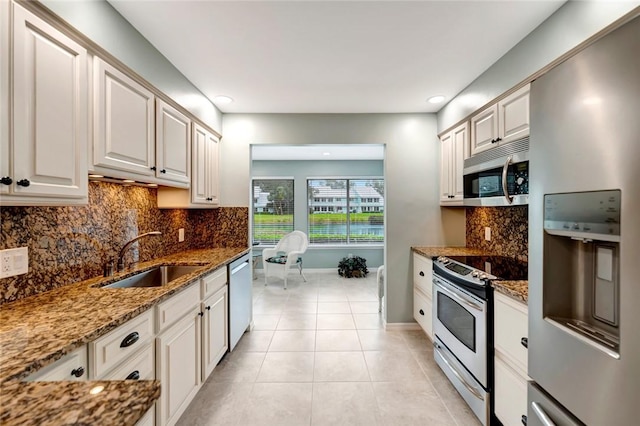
x,y
353,266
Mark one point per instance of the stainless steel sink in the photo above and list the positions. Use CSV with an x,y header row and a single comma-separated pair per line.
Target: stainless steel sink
x,y
156,277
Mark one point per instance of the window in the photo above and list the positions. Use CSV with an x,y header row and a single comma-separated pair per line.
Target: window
x,y
272,210
355,214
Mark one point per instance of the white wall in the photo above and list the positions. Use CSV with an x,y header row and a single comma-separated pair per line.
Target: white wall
x,y
101,23
570,25
413,214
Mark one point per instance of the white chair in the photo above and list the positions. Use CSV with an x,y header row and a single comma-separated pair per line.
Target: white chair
x,y
287,253
380,282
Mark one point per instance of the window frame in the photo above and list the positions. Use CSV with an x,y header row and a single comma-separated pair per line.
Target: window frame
x,y
291,179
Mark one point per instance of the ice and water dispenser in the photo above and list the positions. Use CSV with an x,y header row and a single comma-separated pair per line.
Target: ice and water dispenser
x,y
581,266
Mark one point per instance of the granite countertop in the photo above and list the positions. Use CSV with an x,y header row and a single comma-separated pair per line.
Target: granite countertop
x,y
517,290
449,251
39,330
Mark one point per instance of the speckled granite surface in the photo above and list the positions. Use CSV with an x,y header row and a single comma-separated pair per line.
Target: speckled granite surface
x,y
39,330
509,230
517,290
449,251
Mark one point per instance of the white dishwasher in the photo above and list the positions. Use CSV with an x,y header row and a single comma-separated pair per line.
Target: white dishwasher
x,y
240,299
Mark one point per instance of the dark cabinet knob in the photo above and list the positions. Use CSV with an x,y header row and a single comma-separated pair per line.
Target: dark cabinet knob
x,y
163,171
209,199
154,168
421,274
524,342
421,312
524,420
77,372
6,180
498,140
134,375
201,314
23,182
130,339
493,141
208,308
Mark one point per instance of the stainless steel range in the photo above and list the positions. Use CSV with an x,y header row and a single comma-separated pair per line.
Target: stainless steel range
x,y
463,323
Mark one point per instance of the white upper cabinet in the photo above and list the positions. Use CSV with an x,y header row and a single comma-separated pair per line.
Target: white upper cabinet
x,y
454,149
505,121
123,122
44,160
5,36
173,143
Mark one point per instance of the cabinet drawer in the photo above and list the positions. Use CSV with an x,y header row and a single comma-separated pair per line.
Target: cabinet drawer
x,y
423,274
422,312
112,348
176,307
72,366
510,395
511,326
141,365
213,282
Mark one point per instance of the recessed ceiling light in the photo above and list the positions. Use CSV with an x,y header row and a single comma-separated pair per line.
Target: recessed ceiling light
x,y
326,153
222,100
435,99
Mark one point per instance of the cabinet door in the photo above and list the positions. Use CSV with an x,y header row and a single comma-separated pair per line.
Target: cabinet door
x,y
5,12
484,130
510,395
423,274
445,167
510,327
213,190
72,366
50,103
422,312
460,149
215,337
178,366
513,116
123,124
199,164
173,143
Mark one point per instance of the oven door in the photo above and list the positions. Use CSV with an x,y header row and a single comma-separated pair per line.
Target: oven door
x,y
460,322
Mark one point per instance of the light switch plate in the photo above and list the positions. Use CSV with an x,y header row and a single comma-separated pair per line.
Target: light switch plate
x,y
487,233
14,262
180,235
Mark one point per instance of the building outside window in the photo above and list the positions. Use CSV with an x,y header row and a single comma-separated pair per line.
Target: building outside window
x,y
345,211
273,201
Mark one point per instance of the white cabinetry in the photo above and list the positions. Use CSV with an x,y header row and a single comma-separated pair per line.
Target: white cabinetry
x,y
123,137
215,330
511,327
454,149
72,366
422,293
505,121
44,160
173,143
204,190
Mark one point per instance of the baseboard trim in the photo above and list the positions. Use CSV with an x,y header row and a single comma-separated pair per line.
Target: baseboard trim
x,y
397,326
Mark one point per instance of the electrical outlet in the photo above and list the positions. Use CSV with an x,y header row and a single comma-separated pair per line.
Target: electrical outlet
x,y
487,233
14,262
180,235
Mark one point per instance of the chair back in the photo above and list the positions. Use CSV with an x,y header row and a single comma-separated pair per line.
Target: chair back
x,y
293,241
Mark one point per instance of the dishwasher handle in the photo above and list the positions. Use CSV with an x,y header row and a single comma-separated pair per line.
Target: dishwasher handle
x,y
240,267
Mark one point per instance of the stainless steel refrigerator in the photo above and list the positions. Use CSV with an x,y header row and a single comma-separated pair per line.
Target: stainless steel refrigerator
x,y
584,236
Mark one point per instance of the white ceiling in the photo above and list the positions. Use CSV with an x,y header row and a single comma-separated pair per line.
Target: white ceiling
x,y
333,56
318,152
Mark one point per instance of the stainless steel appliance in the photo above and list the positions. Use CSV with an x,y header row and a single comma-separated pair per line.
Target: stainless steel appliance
x,y
584,236
240,299
499,176
463,323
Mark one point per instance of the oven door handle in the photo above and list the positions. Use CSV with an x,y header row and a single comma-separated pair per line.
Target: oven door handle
x,y
505,187
457,297
456,373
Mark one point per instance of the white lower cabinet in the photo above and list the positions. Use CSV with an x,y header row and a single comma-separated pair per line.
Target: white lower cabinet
x,y
140,366
510,327
422,293
215,333
178,364
422,311
72,366
148,419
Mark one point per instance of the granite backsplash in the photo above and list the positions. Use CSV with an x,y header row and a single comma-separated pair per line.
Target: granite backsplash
x,y
71,244
509,230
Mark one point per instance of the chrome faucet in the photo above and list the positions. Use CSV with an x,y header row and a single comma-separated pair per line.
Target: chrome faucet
x,y
128,244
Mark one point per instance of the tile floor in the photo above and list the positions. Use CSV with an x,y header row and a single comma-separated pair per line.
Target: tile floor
x,y
318,355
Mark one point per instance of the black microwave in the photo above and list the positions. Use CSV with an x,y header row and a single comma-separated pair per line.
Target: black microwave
x,y
500,182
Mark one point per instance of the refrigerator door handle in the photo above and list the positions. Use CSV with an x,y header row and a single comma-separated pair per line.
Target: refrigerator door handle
x,y
542,415
505,187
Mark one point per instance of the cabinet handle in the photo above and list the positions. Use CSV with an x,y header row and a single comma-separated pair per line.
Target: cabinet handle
x,y
154,168
77,372
209,199
523,419
23,182
200,314
498,140
163,171
134,375
493,141
208,308
421,312
130,339
6,180
421,274
525,342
